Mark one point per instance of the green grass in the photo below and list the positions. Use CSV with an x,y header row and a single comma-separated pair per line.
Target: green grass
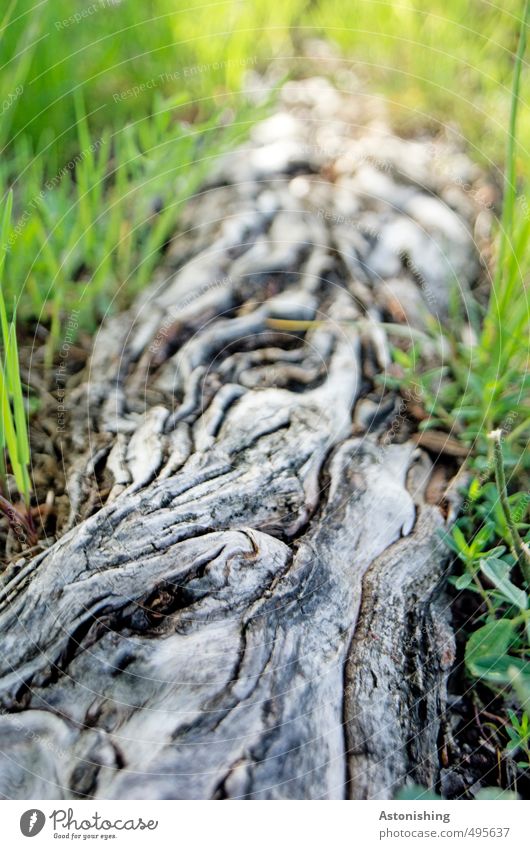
x,y
91,243
437,61
130,65
201,50
13,421
100,163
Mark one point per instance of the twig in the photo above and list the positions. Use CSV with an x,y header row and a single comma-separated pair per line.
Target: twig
x,y
404,331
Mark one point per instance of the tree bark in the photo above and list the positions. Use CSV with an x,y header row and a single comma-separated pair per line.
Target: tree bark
x,y
245,601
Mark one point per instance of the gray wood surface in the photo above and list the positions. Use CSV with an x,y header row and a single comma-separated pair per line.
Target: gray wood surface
x,y
245,600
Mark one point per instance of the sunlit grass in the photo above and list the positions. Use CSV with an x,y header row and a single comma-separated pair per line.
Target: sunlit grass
x,y
13,421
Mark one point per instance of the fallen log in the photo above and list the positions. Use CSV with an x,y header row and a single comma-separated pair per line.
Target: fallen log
x,y
245,600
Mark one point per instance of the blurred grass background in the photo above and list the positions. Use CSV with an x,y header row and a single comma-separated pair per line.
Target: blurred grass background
x,y
152,85
442,60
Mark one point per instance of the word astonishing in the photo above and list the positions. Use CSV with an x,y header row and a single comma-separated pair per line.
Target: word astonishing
x,y
65,819
415,815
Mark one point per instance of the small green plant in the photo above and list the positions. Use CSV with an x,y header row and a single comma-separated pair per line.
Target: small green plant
x,y
495,561
518,730
13,428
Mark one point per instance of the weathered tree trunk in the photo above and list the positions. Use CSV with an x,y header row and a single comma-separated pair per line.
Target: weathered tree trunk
x,y
246,602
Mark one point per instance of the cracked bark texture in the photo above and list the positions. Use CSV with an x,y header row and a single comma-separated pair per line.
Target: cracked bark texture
x,y
245,599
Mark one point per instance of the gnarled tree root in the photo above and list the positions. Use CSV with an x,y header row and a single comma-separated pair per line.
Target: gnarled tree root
x,y
245,602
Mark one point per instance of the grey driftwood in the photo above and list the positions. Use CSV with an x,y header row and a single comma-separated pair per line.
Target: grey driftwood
x,y
245,600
